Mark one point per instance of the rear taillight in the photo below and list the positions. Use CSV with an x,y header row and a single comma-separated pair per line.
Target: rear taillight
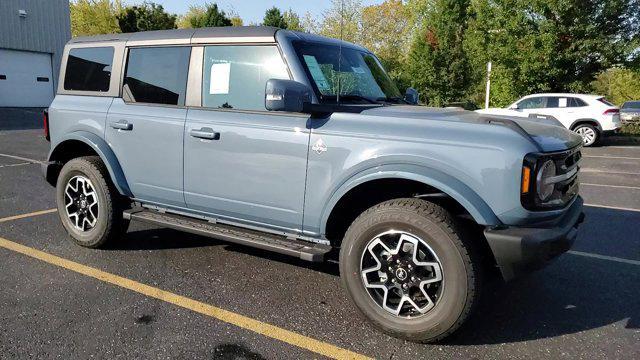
x,y
45,123
611,112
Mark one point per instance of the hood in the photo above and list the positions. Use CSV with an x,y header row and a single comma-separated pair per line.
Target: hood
x,y
547,135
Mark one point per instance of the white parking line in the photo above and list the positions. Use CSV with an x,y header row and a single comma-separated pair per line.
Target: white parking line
x,y
604,257
611,157
21,158
18,164
613,186
612,207
624,147
588,170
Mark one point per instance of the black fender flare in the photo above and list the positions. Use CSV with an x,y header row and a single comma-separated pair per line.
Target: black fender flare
x,y
101,148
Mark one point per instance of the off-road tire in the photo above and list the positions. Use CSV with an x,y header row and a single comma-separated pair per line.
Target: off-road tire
x,y
460,259
110,224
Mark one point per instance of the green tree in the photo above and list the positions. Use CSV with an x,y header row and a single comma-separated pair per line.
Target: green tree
x,y
310,23
618,85
293,21
384,31
145,17
273,17
235,18
212,17
92,17
195,12
342,20
547,45
438,65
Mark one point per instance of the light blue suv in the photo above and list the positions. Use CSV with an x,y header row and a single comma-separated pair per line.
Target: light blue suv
x,y
301,144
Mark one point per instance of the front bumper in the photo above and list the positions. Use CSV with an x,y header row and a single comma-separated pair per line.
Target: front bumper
x,y
519,250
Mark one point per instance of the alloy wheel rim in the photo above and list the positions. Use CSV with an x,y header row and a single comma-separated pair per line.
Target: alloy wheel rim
x,y
81,203
402,274
587,134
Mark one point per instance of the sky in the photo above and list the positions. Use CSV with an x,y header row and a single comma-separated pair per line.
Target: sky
x,y
252,10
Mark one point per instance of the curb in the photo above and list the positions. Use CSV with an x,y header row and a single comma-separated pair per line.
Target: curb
x,y
621,140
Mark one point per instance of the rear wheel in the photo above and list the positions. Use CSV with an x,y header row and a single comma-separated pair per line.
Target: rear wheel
x,y
89,206
408,270
589,134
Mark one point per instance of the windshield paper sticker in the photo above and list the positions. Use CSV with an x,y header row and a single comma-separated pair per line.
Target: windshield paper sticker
x,y
219,79
316,73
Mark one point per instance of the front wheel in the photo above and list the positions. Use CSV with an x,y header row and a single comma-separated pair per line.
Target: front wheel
x,y
88,204
589,134
408,270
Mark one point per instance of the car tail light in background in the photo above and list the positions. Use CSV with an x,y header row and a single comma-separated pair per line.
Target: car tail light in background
x,y
45,123
611,112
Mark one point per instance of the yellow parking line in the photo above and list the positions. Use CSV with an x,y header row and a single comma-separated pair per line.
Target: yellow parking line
x,y
241,321
35,213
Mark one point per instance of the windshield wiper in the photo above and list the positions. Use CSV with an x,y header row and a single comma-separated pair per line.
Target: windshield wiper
x,y
351,97
395,100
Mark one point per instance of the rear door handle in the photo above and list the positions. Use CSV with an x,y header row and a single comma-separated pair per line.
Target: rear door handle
x,y
205,133
122,125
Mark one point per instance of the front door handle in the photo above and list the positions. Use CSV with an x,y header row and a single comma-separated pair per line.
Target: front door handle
x,y
205,133
122,125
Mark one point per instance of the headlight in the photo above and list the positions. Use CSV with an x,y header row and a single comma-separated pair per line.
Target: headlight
x,y
549,181
547,170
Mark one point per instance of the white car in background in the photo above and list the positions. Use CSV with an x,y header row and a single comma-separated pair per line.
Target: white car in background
x,y
591,116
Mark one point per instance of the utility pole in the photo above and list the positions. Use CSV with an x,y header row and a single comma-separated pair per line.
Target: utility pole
x,y
486,100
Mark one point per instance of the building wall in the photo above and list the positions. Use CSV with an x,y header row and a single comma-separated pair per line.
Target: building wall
x,y
46,28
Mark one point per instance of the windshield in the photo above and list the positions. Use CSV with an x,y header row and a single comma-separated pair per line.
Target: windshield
x,y
346,75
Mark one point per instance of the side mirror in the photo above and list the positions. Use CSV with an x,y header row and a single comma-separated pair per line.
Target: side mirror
x,y
411,96
514,107
286,95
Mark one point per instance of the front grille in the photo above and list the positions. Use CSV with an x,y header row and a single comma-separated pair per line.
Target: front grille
x,y
572,158
566,162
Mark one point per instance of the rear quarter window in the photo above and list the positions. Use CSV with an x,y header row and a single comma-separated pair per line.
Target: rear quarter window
x,y
605,101
89,69
575,102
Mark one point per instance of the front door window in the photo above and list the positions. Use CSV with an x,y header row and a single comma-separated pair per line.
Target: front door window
x,y
234,77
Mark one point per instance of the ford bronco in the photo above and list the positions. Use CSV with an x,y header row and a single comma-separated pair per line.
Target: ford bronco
x,y
300,144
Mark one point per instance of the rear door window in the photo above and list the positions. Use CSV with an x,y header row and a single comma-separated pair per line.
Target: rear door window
x,y
554,102
89,69
235,76
157,75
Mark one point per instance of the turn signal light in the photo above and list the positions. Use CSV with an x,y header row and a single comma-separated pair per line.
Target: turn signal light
x,y
526,179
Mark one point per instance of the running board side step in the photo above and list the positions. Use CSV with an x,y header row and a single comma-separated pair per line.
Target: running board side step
x,y
280,244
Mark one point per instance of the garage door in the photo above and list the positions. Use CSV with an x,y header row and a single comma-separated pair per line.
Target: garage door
x,y
25,79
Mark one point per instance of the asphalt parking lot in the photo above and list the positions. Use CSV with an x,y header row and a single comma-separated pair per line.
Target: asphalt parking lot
x,y
159,293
